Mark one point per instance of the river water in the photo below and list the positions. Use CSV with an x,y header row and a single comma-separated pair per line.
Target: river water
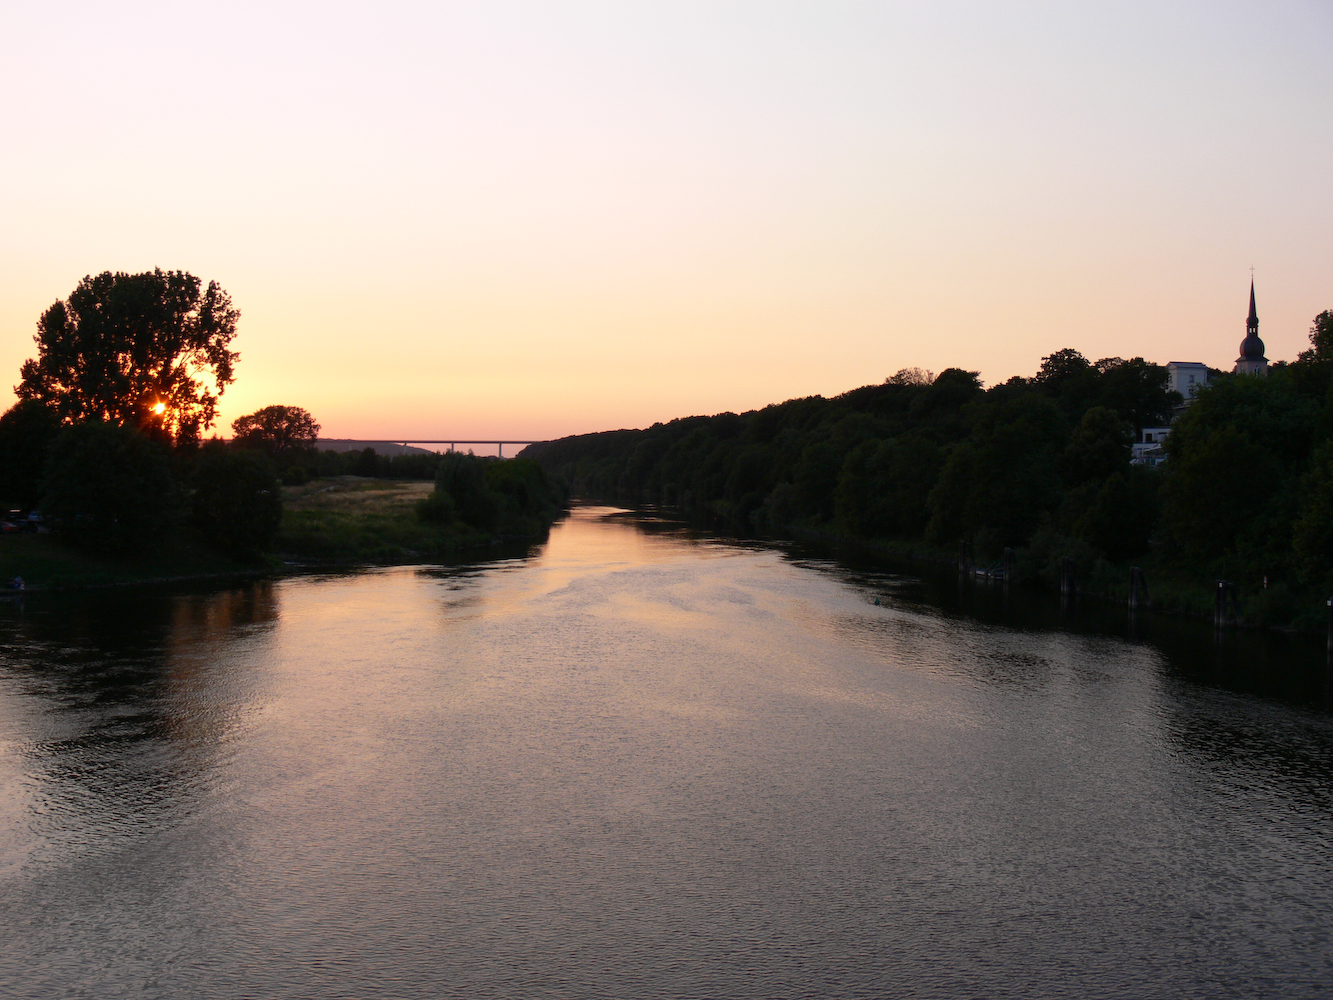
x,y
637,763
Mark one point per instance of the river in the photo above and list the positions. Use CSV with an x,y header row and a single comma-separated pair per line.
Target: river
x,y
635,762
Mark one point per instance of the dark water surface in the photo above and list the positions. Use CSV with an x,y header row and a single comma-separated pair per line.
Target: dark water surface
x,y
640,764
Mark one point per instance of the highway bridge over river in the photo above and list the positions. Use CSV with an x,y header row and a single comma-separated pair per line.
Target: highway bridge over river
x,y
453,444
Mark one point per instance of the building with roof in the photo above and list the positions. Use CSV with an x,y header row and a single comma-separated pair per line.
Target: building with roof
x,y
1187,377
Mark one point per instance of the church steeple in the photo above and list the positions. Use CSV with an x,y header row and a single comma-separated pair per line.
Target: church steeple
x,y
1252,360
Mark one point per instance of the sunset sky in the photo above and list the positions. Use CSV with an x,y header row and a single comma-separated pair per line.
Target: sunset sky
x,y
530,220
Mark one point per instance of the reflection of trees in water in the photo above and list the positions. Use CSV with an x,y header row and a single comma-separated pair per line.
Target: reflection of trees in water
x,y
1287,667
1274,741
209,676
126,697
1268,753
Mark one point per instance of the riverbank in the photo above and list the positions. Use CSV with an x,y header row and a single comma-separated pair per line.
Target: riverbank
x,y
45,562
1260,607
1274,607
340,521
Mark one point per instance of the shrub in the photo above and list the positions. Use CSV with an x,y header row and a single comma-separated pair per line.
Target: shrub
x,y
27,430
462,477
237,503
110,489
437,508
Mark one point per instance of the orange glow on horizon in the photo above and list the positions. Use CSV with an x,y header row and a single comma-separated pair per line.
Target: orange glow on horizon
x,y
453,219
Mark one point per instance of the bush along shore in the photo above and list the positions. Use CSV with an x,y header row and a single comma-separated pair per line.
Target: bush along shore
x,y
1035,474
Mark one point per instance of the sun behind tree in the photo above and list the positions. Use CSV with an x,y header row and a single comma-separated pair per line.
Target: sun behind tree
x,y
149,351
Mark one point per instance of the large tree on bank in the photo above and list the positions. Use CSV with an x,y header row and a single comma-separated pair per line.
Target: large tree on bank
x,y
149,351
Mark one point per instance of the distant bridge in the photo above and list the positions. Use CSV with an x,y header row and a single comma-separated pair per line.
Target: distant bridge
x,y
454,443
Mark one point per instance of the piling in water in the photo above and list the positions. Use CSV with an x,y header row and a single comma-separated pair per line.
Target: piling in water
x,y
1225,604
1138,589
1068,577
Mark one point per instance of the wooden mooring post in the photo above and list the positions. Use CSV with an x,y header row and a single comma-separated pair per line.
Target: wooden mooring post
x,y
1328,670
1330,633
1068,577
1138,590
1224,604
964,556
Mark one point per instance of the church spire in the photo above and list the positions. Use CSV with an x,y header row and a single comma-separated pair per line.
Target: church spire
x,y
1252,360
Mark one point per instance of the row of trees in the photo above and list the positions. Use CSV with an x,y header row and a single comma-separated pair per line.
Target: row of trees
x,y
1039,464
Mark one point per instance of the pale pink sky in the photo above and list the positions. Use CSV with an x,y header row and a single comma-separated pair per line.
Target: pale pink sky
x,y
528,220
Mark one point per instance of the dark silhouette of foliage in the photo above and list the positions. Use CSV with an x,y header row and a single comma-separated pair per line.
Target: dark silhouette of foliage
x,y
437,508
1321,334
27,430
1312,533
1138,391
110,489
528,499
997,485
463,478
871,460
1098,448
237,501
510,497
275,429
1233,453
1114,516
123,345
366,463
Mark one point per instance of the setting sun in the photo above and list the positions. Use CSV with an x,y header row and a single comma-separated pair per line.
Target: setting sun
x,y
160,408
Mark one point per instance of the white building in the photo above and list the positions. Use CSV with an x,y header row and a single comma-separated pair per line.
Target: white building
x,y
1187,377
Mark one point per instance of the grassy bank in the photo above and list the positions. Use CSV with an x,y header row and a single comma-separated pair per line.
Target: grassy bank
x,y
354,519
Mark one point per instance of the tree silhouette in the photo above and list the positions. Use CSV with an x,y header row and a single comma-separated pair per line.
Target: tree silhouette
x,y
276,428
147,350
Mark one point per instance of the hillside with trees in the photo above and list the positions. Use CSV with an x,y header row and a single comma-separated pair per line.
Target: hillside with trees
x,y
1039,465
